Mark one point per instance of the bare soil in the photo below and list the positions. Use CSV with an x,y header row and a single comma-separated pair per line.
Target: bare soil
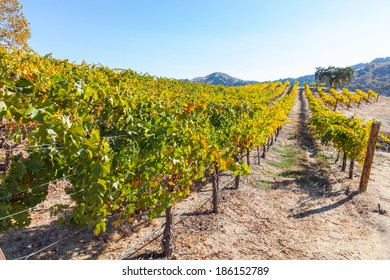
x,y
295,205
372,110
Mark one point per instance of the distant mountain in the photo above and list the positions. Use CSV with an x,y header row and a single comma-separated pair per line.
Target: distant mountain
x,y
374,75
219,78
304,79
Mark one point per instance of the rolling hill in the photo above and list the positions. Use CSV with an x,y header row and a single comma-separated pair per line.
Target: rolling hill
x,y
219,78
374,75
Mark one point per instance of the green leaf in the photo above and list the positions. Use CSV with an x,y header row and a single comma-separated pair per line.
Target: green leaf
x,y
95,135
106,168
22,83
100,228
103,185
38,116
96,169
130,208
35,114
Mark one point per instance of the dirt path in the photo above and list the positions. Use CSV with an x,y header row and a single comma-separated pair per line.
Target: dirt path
x,y
295,205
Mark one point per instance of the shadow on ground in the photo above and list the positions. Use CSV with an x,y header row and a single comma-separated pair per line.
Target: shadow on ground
x,y
311,176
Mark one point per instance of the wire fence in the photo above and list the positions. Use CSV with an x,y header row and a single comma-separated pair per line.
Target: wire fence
x,y
53,145
35,187
34,207
51,245
128,252
135,248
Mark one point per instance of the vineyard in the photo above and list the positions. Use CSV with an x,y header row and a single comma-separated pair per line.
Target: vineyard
x,y
134,159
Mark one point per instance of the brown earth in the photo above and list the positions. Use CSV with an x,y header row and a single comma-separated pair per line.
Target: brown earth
x,y
371,110
295,205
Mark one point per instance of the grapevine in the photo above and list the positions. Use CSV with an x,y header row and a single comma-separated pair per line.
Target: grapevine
x,y
362,94
351,96
339,97
348,135
328,99
131,145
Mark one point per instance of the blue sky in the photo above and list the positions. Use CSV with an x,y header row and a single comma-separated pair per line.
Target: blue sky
x,y
255,40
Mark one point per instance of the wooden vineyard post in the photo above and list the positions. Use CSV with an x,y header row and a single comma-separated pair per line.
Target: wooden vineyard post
x,y
369,156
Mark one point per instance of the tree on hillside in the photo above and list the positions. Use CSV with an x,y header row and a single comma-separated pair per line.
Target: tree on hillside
x,y
334,75
14,28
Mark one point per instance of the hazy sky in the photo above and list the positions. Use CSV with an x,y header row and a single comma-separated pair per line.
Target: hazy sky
x,y
249,39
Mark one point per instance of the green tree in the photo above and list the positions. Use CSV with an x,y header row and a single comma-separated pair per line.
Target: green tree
x,y
334,75
14,28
